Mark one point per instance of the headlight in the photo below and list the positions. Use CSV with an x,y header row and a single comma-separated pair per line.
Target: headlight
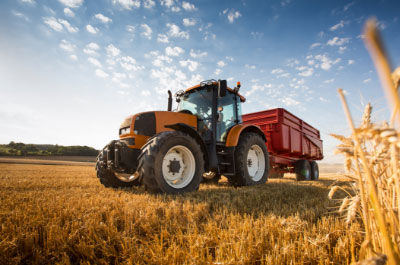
x,y
125,130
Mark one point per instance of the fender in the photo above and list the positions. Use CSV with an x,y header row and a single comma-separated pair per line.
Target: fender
x,y
192,132
234,133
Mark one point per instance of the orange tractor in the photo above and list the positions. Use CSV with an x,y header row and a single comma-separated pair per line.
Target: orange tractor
x,y
173,151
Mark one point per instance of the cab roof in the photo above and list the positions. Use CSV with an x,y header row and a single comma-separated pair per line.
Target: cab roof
x,y
242,99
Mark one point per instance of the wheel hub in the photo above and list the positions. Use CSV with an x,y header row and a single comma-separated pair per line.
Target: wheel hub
x,y
174,166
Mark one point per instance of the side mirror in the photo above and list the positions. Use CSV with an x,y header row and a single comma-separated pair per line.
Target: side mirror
x,y
222,88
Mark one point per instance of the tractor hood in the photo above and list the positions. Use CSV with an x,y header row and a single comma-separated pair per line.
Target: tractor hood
x,y
143,125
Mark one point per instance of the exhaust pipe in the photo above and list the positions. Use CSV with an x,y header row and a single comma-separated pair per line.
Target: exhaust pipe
x,y
169,100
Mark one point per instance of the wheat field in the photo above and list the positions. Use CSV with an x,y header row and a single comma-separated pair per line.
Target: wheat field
x,y
55,214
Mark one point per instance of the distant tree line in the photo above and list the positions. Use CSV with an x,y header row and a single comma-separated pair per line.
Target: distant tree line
x,y
21,149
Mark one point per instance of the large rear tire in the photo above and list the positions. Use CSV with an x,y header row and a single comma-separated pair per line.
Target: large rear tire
x,y
251,161
171,162
303,170
314,170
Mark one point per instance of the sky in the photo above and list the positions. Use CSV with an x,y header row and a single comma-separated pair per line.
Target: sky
x,y
72,70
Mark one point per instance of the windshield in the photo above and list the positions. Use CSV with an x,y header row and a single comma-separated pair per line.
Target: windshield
x,y
198,103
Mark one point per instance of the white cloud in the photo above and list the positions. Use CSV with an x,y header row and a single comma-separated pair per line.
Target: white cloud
x,y
167,3
28,1
129,64
342,49
71,3
346,7
101,73
174,51
188,6
197,54
95,62
329,81
305,71
221,63
20,15
277,71
162,38
68,12
112,50
367,80
232,14
145,93
326,62
67,46
314,45
257,35
250,66
323,99
338,25
68,26
127,4
189,22
103,18
191,65
338,41
73,57
149,3
175,9
147,31
288,101
53,23
350,61
91,29
91,49
218,71
175,31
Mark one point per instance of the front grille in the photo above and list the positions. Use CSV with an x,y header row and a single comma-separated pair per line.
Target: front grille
x,y
145,124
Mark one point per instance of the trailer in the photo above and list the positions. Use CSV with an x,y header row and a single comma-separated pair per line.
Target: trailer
x,y
293,144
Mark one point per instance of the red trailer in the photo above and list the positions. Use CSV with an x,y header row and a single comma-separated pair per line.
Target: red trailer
x,y
293,144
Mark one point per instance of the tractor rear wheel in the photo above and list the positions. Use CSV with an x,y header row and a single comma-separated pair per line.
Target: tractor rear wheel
x,y
115,180
171,162
302,169
314,170
251,161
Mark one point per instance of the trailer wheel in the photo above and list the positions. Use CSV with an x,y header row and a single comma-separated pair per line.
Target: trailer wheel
x,y
314,170
171,162
251,161
112,180
303,170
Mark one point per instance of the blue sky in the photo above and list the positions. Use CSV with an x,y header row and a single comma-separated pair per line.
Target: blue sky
x,y
72,70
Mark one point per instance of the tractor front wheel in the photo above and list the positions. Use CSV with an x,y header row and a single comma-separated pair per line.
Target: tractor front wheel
x,y
251,161
171,162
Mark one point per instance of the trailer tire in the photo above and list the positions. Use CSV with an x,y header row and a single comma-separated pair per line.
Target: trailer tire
x,y
110,180
314,170
303,170
250,151
167,154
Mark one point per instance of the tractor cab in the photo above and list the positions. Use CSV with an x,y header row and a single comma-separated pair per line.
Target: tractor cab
x,y
213,103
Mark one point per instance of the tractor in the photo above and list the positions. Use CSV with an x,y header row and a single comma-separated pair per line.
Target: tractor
x,y
174,151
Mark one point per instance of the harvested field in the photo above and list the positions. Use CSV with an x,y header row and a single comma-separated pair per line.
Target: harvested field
x,y
61,214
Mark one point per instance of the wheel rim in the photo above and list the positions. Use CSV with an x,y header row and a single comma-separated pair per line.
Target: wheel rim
x,y
127,177
178,166
255,162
